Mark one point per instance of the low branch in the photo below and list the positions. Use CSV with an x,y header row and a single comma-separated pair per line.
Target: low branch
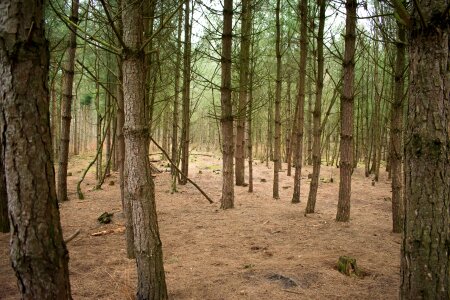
x,y
179,171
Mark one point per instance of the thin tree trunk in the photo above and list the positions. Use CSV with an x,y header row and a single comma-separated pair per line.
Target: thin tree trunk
x,y
176,98
38,254
244,61
227,200
277,141
185,134
301,99
316,154
425,252
140,189
66,106
289,126
347,99
249,128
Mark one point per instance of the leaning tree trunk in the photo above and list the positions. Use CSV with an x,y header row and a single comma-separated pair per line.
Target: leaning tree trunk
x,y
301,99
317,132
66,104
396,149
140,189
243,91
347,99
38,254
425,260
227,200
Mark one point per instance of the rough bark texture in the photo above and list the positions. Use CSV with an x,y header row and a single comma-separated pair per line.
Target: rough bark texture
x,y
140,190
38,254
317,132
66,105
425,247
277,138
300,99
396,148
227,200
347,99
186,95
244,60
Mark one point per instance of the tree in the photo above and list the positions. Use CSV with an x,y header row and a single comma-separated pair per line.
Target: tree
x,y
317,132
186,100
226,120
277,148
38,254
426,238
396,152
66,108
244,63
300,99
139,186
347,99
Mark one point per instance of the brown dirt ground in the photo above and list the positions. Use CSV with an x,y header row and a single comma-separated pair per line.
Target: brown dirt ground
x,y
214,254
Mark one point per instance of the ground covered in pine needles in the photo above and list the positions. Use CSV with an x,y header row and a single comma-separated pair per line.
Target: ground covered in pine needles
x,y
262,249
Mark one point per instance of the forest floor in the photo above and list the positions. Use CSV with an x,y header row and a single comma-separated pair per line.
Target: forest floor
x,y
234,254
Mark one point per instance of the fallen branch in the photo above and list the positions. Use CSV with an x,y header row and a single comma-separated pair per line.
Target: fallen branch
x,y
72,236
179,171
105,232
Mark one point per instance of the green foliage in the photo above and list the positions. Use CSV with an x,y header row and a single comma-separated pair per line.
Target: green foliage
x,y
86,100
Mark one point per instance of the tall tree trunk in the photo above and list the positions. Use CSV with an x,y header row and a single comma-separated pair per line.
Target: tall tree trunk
x,y
38,254
140,189
396,131
289,126
244,59
249,126
66,105
277,141
185,135
347,99
176,99
425,260
317,132
227,200
301,99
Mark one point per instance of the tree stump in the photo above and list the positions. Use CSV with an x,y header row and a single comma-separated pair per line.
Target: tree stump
x,y
347,266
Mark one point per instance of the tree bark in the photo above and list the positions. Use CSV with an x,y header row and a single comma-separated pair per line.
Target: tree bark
x,y
38,254
277,140
66,106
396,138
301,99
176,98
317,113
140,190
425,249
244,62
347,99
186,95
227,200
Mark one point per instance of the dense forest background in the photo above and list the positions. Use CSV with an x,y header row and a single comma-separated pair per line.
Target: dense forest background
x,y
345,84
